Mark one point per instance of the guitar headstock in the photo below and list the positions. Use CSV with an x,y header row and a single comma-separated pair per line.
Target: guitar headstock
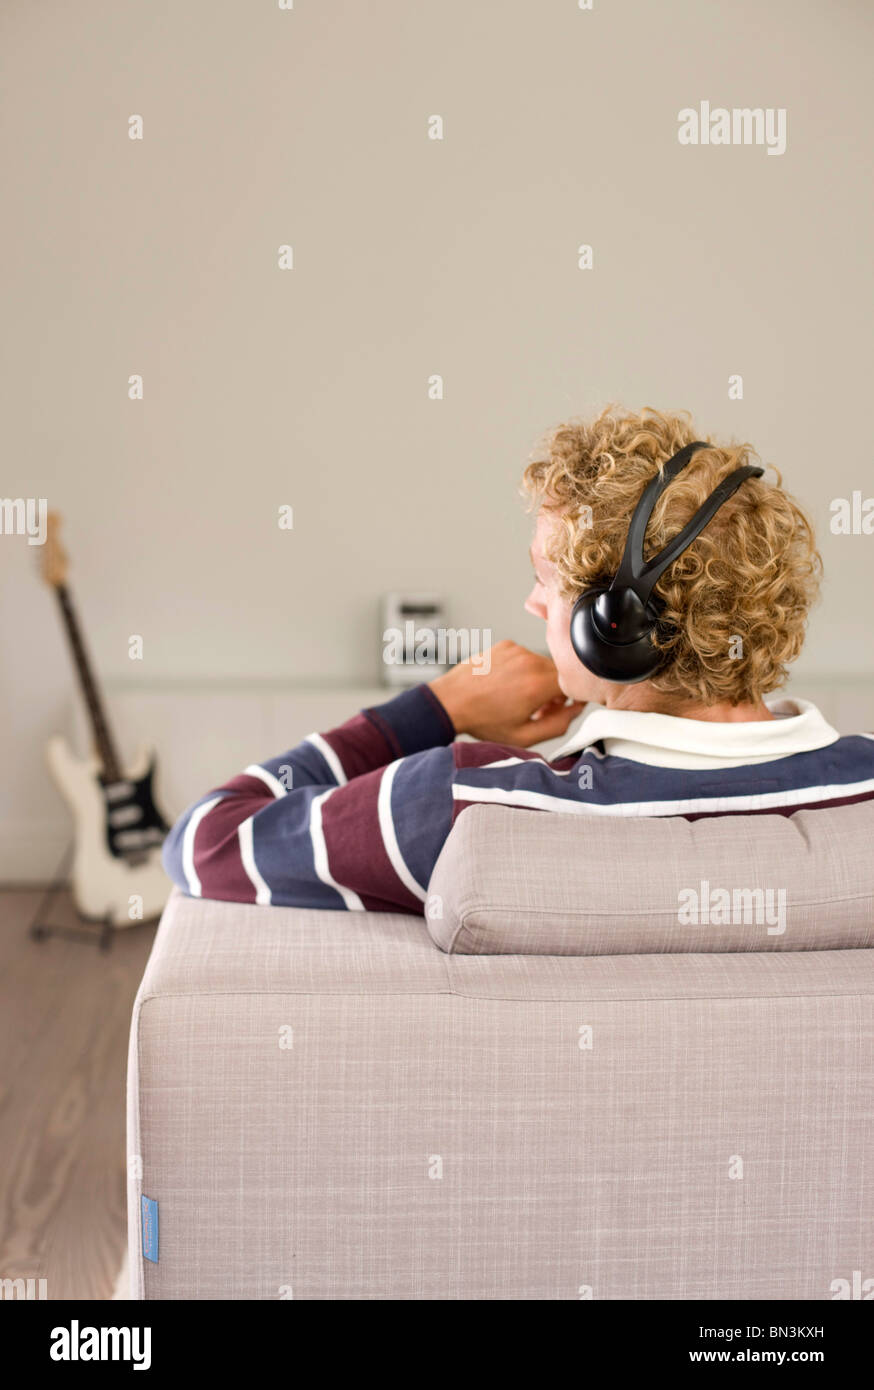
x,y
53,557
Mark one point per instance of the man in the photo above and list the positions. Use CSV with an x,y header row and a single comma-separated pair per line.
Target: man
x,y
355,818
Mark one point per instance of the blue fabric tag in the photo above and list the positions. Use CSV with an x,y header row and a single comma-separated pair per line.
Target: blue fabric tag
x,y
150,1229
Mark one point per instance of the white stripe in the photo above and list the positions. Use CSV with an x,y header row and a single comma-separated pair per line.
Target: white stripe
x,y
503,762
761,801
516,762
247,854
329,756
255,770
320,854
188,868
389,838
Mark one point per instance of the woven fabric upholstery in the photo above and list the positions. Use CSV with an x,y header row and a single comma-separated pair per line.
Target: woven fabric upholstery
x,y
513,881
325,1106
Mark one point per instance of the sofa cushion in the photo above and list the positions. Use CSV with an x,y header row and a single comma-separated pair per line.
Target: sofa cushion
x,y
512,881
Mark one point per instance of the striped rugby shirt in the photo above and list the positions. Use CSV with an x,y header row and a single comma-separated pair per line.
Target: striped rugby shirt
x,y
355,818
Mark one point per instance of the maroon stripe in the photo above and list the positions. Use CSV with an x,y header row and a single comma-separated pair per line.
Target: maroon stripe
x,y
478,754
357,857
358,744
217,858
564,764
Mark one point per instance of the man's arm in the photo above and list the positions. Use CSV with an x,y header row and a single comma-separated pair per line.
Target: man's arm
x,y
408,723
355,818
269,834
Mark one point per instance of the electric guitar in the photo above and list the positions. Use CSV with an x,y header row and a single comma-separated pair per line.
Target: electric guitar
x,y
116,872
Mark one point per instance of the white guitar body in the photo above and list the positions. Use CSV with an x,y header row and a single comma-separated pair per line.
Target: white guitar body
x,y
109,886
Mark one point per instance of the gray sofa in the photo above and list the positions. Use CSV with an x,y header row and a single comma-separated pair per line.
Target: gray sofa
x,y
557,1083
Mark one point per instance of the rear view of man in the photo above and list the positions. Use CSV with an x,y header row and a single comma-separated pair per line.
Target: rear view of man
x,y
674,582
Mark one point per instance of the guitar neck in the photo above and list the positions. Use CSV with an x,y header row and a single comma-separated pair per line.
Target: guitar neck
x,y
100,729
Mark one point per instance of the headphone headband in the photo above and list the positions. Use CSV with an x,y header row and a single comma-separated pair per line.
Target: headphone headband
x,y
612,625
642,577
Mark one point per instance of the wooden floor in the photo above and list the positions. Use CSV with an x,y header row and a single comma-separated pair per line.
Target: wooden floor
x,y
65,1011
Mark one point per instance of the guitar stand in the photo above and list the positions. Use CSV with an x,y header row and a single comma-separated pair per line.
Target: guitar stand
x,y
97,930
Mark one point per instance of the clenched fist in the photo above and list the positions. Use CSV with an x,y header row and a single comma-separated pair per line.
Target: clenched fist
x,y
516,701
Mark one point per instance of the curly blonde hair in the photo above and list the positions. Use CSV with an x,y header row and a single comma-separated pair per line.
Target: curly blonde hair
x,y
752,574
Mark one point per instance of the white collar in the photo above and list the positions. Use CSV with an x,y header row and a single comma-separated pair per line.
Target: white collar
x,y
668,740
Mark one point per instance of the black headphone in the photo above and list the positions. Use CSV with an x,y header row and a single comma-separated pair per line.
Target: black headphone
x,y
612,625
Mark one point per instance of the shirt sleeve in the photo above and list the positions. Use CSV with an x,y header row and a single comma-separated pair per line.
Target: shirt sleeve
x,y
408,723
315,827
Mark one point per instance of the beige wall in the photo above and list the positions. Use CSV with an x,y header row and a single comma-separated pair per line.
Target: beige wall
x,y
308,387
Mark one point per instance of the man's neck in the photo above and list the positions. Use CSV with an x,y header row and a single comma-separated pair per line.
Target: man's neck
x,y
651,702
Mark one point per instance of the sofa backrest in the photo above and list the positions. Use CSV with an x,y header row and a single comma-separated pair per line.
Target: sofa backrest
x,y
513,881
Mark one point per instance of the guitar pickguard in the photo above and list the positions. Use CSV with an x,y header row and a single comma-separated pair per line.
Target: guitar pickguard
x,y
134,825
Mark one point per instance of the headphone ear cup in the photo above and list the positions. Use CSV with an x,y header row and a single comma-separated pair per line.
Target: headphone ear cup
x,y
625,663
584,636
